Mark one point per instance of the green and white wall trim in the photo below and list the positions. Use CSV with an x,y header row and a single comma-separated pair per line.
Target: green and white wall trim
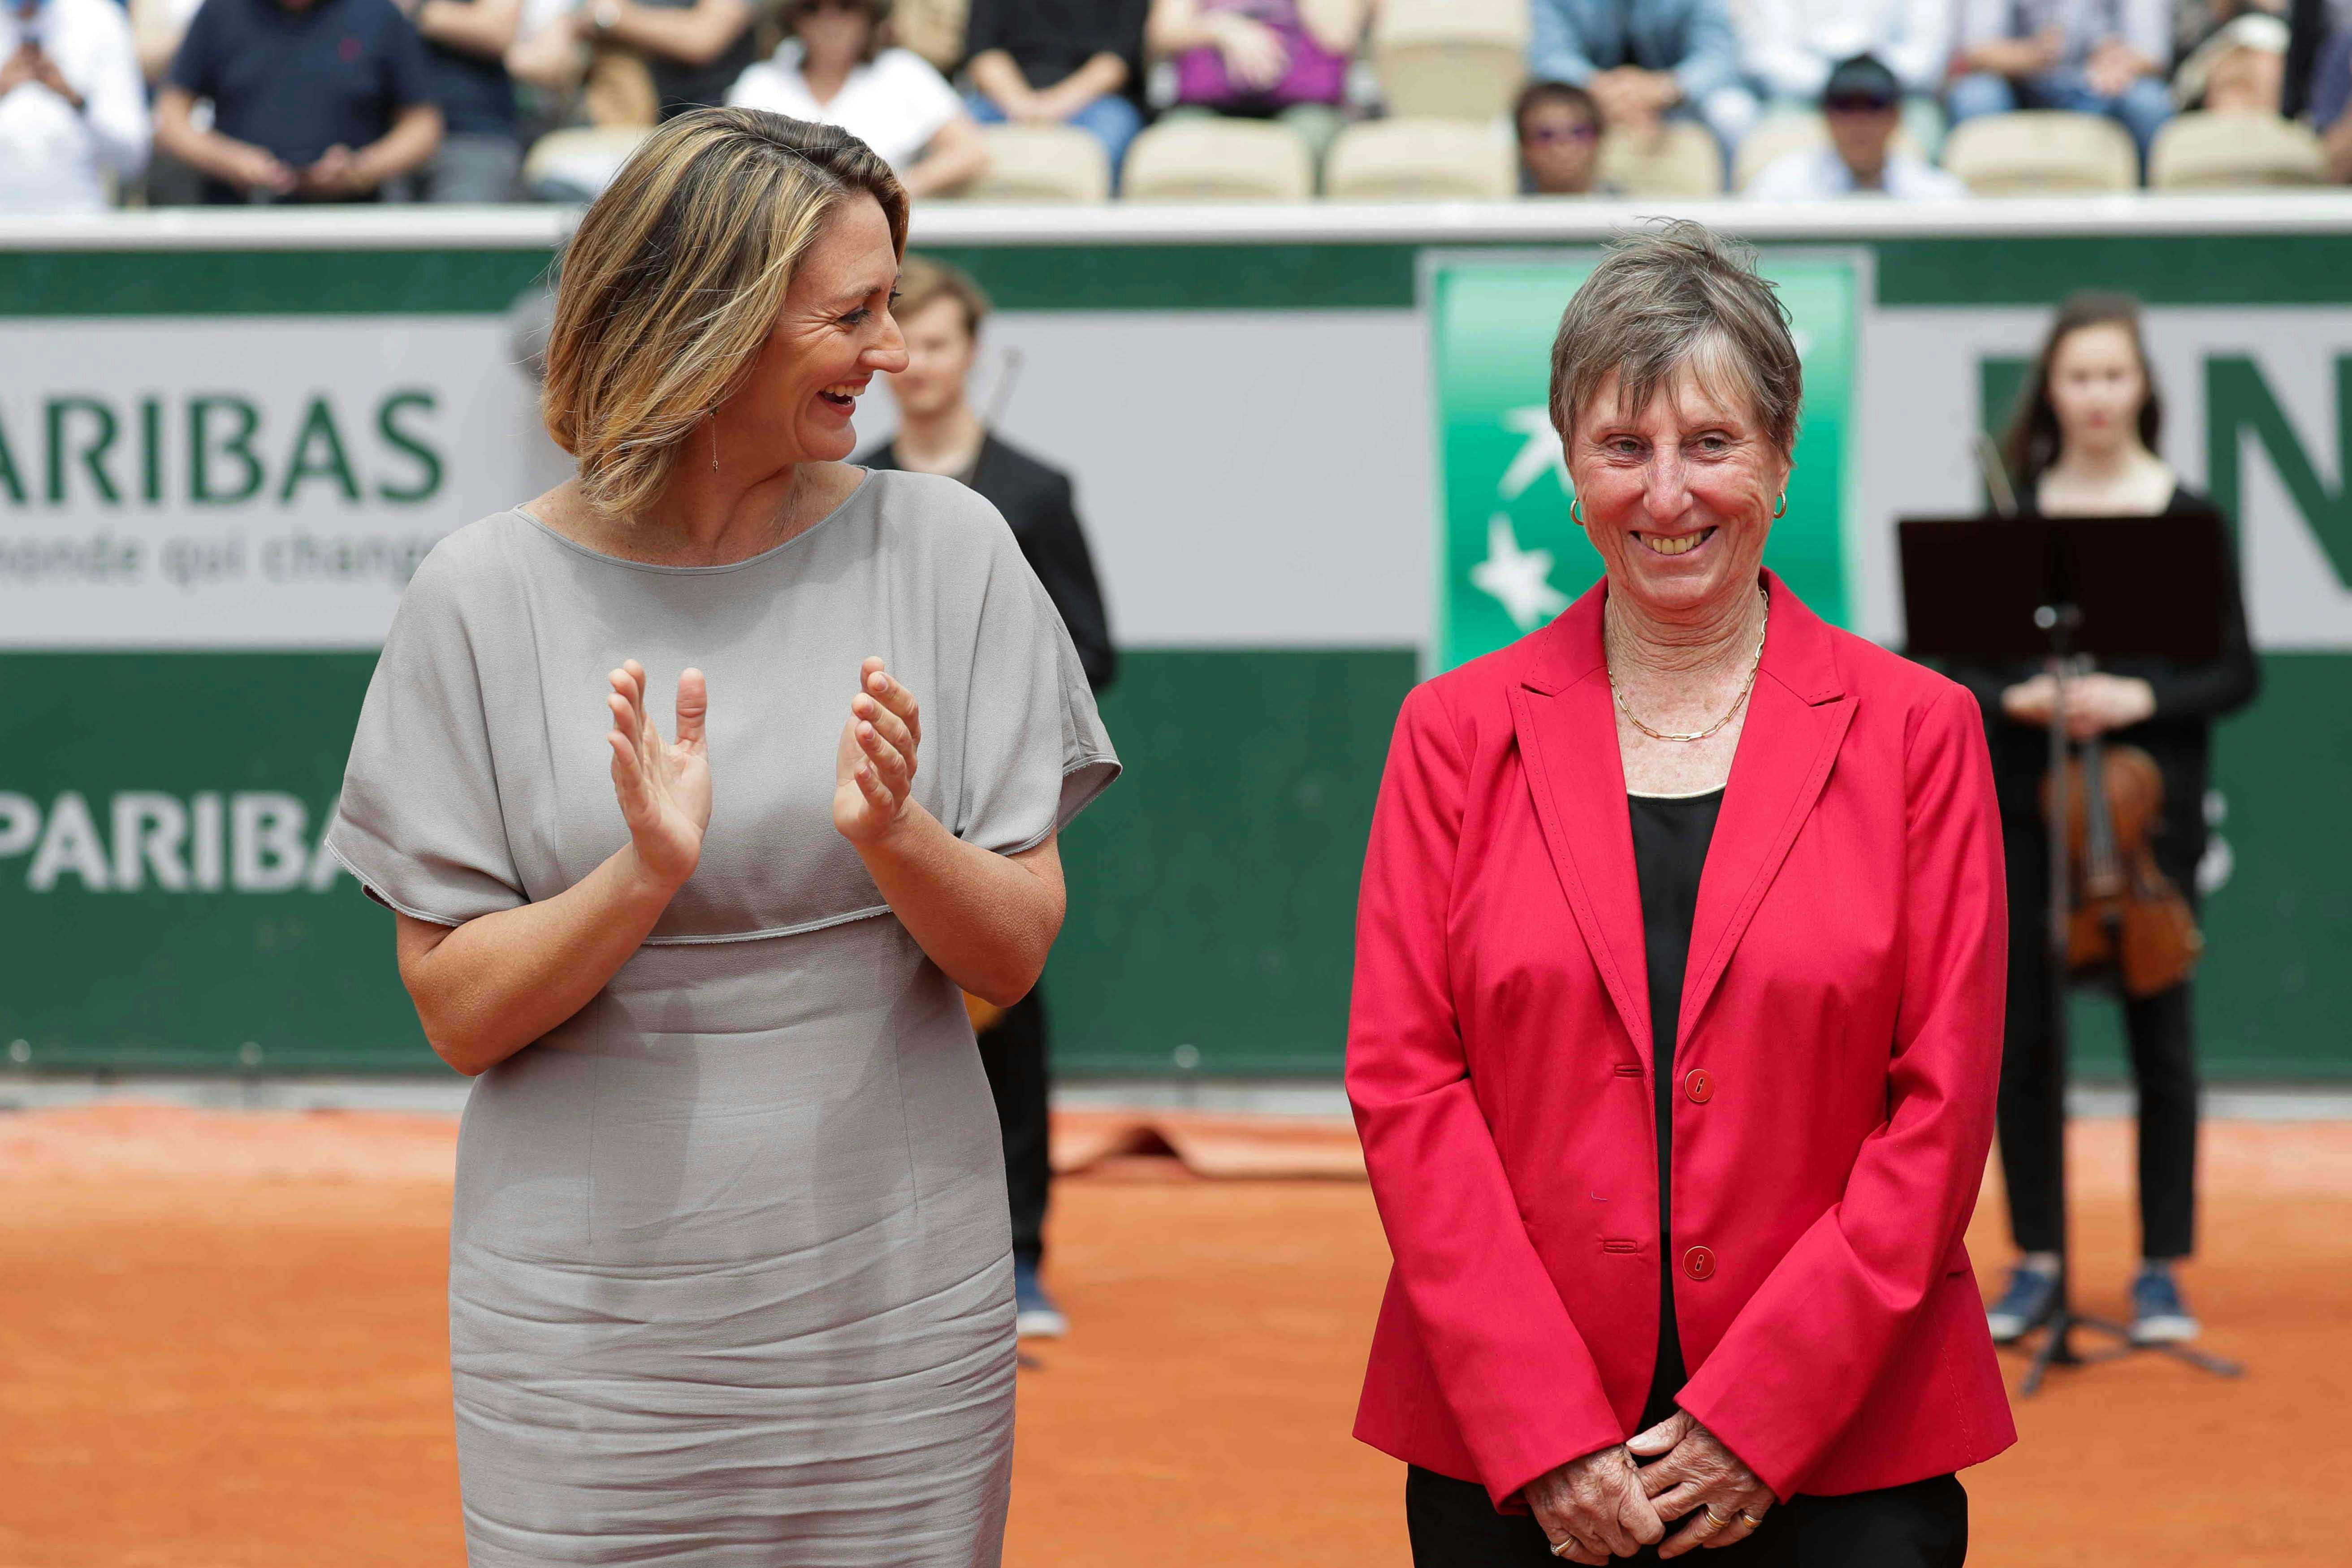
x,y
1302,445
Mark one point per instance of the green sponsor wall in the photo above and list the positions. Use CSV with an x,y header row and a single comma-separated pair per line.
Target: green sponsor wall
x,y
1212,890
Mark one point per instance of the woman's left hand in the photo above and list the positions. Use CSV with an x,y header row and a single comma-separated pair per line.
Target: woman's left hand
x,y
1699,1475
874,768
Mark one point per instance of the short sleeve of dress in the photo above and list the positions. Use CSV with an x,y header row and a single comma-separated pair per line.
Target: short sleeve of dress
x,y
1035,750
419,823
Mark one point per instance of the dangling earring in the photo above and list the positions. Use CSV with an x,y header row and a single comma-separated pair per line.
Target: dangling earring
x,y
1781,511
1574,516
714,441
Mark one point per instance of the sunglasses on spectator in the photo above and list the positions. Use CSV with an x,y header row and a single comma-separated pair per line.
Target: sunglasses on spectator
x,y
1857,103
1586,132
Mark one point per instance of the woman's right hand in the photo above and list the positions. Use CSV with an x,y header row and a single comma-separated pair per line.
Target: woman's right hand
x,y
664,786
1595,1508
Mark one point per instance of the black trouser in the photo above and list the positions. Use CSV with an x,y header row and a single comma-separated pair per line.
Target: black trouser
x,y
2162,1033
1922,1525
1015,1055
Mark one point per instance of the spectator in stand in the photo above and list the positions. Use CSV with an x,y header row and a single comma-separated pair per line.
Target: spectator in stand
x,y
694,50
1790,46
313,100
2331,104
1560,142
72,113
832,67
2095,57
480,155
1645,60
1862,104
1261,59
1060,62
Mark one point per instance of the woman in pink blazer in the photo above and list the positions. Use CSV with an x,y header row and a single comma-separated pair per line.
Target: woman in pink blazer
x,y
1678,1009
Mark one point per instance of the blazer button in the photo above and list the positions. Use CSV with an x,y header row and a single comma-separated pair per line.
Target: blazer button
x,y
1699,1263
1699,1084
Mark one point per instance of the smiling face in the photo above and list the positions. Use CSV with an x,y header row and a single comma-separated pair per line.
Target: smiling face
x,y
833,334
2097,387
1678,496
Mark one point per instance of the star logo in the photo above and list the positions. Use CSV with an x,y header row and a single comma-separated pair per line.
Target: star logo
x,y
1519,580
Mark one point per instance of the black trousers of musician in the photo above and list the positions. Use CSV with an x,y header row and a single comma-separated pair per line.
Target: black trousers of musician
x,y
1923,1525
2162,1033
1015,1056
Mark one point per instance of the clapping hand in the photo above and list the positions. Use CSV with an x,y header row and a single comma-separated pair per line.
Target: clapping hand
x,y
874,768
1699,1474
664,786
1593,1509
336,175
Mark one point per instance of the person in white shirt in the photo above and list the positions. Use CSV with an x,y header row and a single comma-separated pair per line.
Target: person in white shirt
x,y
72,112
1789,46
833,67
1862,103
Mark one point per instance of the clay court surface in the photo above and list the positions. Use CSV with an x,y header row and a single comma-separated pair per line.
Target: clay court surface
x,y
222,1343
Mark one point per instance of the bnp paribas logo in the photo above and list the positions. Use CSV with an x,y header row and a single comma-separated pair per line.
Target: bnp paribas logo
x,y
244,841
223,449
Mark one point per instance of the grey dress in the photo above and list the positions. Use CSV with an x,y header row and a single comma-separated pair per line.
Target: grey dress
x,y
730,1270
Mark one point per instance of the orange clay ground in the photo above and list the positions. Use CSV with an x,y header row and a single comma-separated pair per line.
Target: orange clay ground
x,y
221,1346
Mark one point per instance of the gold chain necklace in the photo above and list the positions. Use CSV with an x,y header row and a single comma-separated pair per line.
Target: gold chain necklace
x,y
1745,688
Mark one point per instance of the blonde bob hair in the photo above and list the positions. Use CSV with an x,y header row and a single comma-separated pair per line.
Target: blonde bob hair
x,y
674,279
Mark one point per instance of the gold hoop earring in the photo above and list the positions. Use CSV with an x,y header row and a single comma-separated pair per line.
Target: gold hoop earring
x,y
1574,516
1781,511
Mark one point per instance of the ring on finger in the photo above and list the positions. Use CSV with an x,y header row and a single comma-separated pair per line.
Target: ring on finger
x,y
1755,1522
1564,1545
1718,1522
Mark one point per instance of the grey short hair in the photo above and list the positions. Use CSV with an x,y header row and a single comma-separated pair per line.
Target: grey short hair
x,y
1658,300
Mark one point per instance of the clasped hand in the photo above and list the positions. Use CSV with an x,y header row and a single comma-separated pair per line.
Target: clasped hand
x,y
1607,1505
2095,703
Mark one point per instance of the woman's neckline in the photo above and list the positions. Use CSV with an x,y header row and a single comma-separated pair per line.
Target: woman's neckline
x,y
522,511
1692,795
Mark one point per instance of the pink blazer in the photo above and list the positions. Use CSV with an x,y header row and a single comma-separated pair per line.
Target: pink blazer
x,y
1838,1050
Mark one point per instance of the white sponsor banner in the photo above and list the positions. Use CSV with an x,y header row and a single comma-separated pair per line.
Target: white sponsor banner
x,y
1247,479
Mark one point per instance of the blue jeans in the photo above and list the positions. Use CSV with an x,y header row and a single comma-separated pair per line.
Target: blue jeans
x,y
2143,107
1110,119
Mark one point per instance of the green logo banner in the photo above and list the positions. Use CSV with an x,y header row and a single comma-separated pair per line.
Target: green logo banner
x,y
1510,556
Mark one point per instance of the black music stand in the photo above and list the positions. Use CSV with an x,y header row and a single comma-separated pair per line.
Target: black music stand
x,y
2001,589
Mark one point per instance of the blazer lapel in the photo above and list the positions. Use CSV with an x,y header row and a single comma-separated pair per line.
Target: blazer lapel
x,y
1568,743
1797,717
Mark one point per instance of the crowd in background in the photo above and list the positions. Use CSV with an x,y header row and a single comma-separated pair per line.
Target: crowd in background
x,y
162,102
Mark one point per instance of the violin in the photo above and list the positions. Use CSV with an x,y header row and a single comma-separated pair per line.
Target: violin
x,y
2129,918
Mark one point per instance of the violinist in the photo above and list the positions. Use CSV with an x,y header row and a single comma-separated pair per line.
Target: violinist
x,y
2082,443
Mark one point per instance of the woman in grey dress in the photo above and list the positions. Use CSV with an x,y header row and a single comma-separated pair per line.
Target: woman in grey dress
x,y
731,1275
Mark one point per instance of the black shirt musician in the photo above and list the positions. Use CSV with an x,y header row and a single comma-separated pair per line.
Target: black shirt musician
x,y
940,311
2083,444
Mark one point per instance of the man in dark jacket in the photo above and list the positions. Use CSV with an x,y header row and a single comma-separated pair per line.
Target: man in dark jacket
x,y
940,311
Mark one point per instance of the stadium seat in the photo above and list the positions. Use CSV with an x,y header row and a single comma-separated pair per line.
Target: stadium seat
x,y
1682,160
1778,135
1040,164
1419,160
1219,161
2204,151
2040,151
1450,60
575,165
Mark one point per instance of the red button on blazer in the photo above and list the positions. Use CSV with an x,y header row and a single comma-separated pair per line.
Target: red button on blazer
x,y
1845,970
1698,1086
